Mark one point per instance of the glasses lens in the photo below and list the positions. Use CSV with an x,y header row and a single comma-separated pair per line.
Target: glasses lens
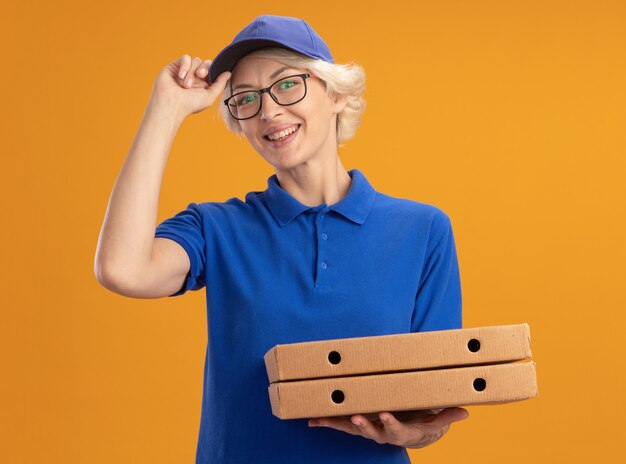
x,y
244,104
289,90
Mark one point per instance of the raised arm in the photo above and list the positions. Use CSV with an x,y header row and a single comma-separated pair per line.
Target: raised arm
x,y
129,260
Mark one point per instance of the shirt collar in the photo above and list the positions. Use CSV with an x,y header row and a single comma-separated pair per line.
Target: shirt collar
x,y
356,205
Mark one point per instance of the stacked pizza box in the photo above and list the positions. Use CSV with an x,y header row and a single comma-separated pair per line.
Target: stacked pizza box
x,y
401,372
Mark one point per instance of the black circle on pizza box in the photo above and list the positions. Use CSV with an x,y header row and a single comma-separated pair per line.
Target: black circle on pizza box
x,y
480,384
334,357
338,396
473,345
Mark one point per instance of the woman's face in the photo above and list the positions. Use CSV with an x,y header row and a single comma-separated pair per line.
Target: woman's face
x,y
312,120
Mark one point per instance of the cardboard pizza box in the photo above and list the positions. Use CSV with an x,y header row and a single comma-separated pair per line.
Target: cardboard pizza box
x,y
404,391
398,352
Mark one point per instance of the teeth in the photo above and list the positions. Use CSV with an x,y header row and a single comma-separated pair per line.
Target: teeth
x,y
282,134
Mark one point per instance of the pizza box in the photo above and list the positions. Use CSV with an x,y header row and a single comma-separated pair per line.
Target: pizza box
x,y
404,391
398,352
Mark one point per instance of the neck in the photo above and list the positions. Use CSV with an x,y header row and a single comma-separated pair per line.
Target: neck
x,y
316,182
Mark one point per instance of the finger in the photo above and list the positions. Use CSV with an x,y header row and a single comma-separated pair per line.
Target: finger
x,y
339,424
368,429
219,84
222,78
406,416
392,425
203,69
191,74
448,416
183,63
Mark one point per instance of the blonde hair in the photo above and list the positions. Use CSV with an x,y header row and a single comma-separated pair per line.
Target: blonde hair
x,y
341,80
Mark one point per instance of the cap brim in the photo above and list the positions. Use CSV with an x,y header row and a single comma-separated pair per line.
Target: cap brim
x,y
228,58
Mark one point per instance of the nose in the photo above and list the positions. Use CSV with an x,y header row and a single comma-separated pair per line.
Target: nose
x,y
269,108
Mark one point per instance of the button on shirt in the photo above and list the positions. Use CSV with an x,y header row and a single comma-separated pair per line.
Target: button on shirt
x,y
276,271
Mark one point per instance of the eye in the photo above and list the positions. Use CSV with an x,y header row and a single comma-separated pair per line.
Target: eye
x,y
287,84
246,99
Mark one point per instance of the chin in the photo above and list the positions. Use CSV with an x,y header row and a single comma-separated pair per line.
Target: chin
x,y
288,164
283,160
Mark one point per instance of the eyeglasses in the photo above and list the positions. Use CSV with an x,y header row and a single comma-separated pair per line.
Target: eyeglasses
x,y
286,91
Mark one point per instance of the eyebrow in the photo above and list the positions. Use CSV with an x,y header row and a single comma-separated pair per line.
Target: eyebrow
x,y
272,76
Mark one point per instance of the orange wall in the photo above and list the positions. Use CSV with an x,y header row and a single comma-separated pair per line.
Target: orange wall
x,y
516,131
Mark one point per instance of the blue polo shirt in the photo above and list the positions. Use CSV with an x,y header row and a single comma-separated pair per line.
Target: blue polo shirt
x,y
277,271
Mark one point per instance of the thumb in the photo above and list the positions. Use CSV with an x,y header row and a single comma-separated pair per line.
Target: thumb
x,y
220,81
217,86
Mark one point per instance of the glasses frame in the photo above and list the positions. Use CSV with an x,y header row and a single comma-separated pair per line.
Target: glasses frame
x,y
304,77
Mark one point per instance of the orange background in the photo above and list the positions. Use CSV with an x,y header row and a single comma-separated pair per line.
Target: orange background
x,y
515,128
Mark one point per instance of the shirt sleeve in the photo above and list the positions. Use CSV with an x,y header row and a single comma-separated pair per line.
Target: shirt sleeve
x,y
438,301
186,228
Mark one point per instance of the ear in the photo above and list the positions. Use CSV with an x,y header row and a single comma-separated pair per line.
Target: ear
x,y
339,103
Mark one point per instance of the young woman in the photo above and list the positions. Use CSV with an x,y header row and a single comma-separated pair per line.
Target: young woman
x,y
319,254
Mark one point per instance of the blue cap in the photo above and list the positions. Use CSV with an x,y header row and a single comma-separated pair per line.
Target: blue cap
x,y
271,31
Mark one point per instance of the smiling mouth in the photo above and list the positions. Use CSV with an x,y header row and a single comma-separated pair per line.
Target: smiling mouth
x,y
281,135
